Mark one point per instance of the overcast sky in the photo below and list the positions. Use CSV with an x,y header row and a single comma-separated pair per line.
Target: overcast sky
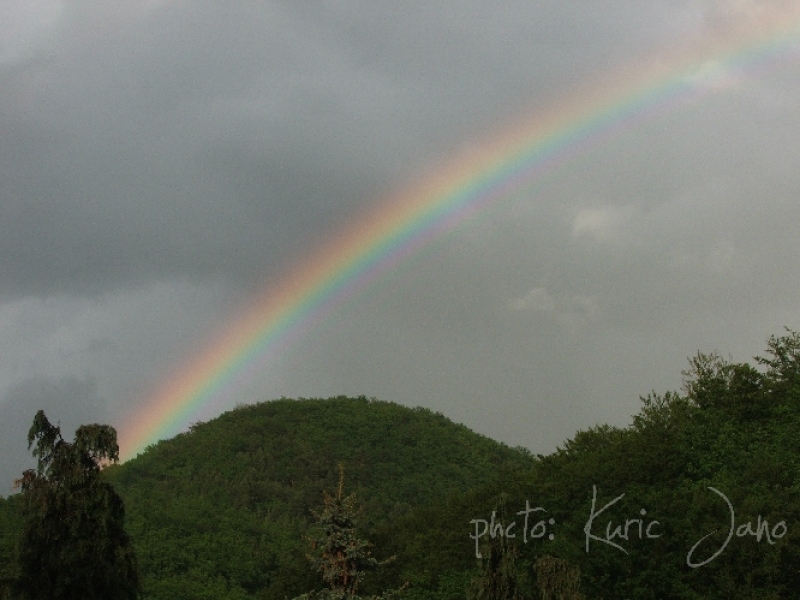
x,y
160,160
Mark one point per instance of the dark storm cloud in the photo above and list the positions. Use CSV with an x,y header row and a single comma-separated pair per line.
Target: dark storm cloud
x,y
161,158
205,139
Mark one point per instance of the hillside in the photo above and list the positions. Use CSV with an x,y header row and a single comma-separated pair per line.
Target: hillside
x,y
222,511
699,498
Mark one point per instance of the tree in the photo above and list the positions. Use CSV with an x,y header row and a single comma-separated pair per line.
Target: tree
x,y
501,576
340,555
73,545
557,579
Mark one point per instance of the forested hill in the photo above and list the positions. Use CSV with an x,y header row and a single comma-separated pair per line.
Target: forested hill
x,y
699,498
222,511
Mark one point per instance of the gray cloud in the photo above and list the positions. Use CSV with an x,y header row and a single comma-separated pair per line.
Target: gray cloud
x,y
194,139
161,160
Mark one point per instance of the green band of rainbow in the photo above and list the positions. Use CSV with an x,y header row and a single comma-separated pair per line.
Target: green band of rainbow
x,y
461,188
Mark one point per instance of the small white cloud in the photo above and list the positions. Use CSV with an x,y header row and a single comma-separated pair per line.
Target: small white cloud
x,y
715,76
569,310
603,224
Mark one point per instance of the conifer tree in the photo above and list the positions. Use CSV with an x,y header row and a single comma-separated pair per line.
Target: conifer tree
x,y
340,555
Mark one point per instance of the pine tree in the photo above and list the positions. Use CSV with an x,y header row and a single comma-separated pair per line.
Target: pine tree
x,y
340,555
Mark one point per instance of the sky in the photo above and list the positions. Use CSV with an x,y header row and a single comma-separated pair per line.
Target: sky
x,y
164,162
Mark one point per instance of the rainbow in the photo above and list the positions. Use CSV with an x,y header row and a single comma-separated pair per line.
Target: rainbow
x,y
524,154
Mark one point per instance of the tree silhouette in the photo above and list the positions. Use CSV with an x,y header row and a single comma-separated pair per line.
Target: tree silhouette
x,y
73,545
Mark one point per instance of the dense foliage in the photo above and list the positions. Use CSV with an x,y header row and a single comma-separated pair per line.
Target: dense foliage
x,y
10,529
500,577
699,498
73,544
665,491
223,510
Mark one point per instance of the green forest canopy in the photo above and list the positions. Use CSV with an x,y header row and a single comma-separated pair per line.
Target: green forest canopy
x,y
222,511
